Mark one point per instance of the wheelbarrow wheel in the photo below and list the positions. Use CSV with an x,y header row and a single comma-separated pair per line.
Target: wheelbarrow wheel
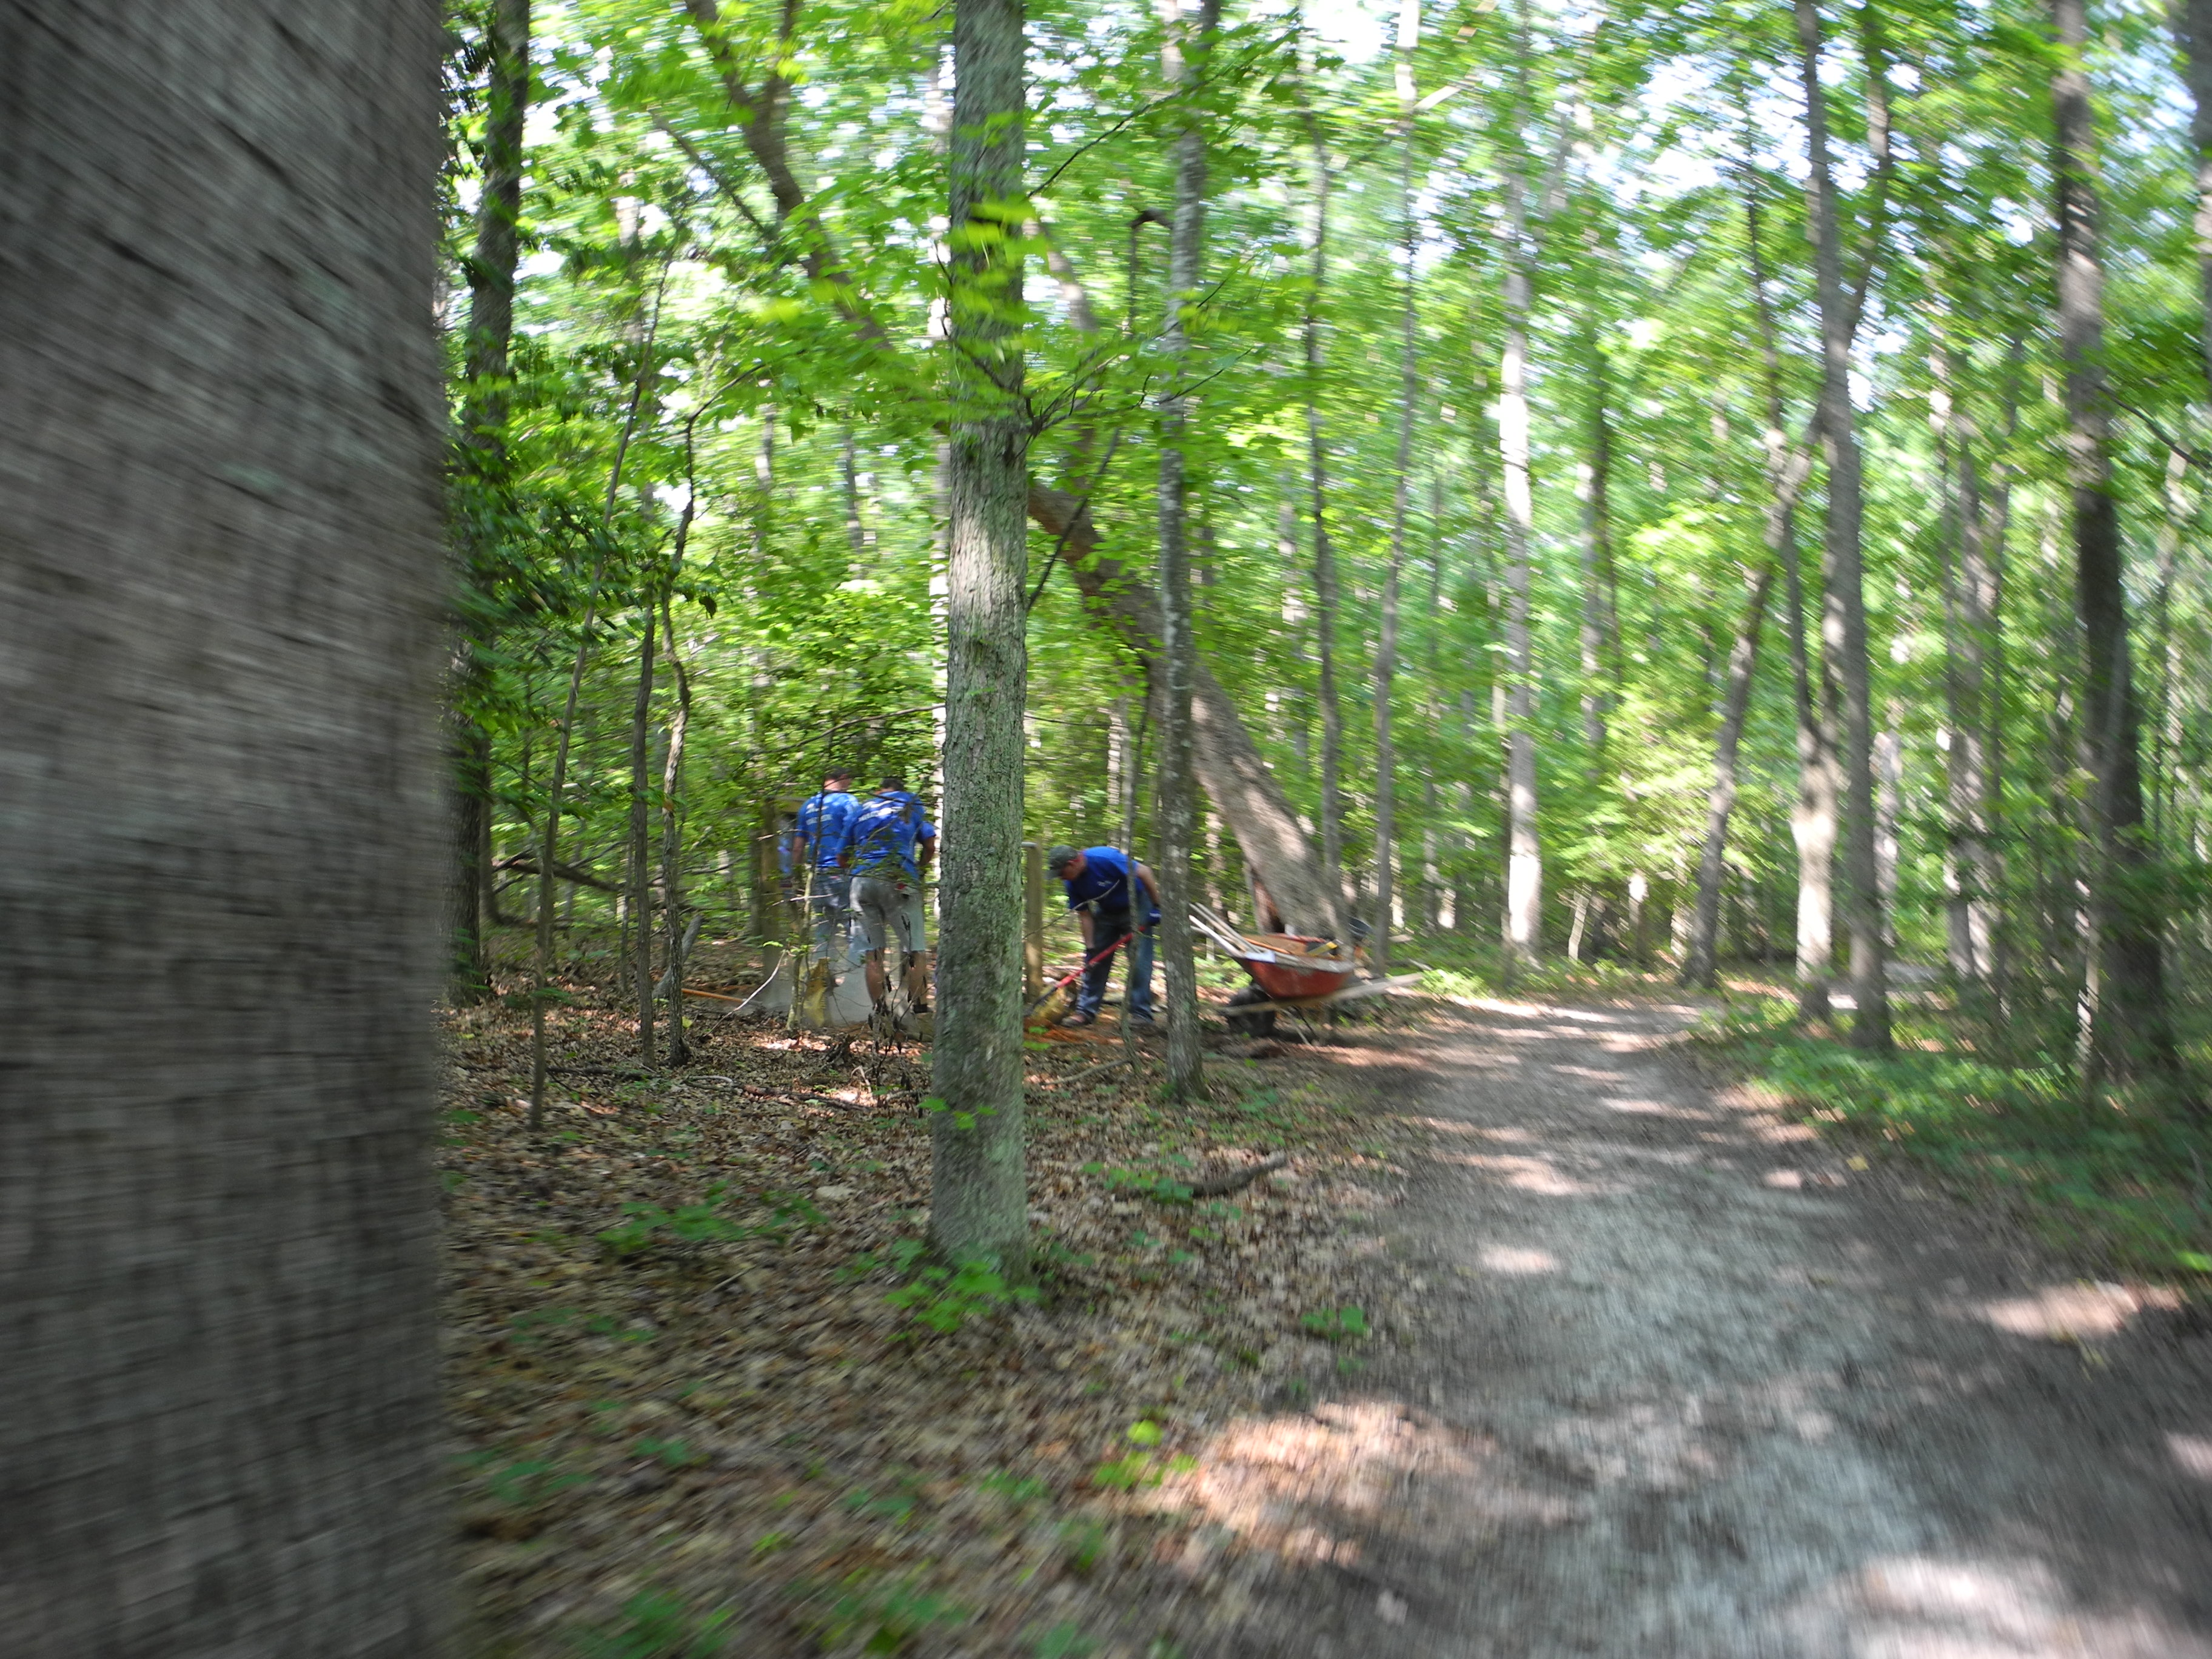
x,y
1258,1024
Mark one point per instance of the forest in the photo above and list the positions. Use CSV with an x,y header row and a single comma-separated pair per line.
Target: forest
x,y
1661,549
1654,486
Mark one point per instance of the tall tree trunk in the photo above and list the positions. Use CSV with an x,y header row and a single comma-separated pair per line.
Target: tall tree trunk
x,y
2130,1033
1386,647
671,831
1599,646
978,1207
1524,863
640,834
2192,23
1813,813
481,453
220,854
1843,622
1337,924
1699,961
1177,829
1971,552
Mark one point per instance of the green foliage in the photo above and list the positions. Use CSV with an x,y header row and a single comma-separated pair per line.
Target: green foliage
x,y
1139,1467
1336,1324
883,1615
690,1227
655,1624
943,1299
2118,1179
1139,1184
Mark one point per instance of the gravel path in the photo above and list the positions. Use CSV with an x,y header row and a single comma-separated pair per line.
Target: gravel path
x,y
1691,1387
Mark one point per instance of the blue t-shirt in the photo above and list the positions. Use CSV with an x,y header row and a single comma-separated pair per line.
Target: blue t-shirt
x,y
880,837
1106,877
822,823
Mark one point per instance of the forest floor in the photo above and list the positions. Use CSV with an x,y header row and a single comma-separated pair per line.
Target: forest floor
x,y
1544,1342
705,1397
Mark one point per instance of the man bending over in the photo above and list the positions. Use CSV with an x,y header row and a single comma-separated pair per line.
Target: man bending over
x,y
1101,884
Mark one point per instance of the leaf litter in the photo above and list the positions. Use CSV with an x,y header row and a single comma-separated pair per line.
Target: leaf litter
x,y
707,1393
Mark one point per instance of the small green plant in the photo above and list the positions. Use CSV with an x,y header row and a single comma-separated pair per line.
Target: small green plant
x,y
884,1618
945,1298
670,1453
1141,1467
1065,1642
1016,1491
1083,1544
657,1625
692,1226
1336,1324
1139,1184
521,1482
769,1543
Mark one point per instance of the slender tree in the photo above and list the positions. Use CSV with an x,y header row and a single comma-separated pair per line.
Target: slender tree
x,y
1409,388
482,456
1843,622
2130,1030
1177,829
977,1199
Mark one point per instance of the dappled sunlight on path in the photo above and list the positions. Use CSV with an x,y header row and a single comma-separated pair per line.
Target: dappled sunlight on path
x,y
1691,1384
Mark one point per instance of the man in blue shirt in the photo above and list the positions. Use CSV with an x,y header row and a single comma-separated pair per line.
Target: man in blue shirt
x,y
818,835
889,842
1103,883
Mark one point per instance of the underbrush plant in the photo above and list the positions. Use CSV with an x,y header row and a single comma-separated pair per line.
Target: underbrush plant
x,y
655,1624
690,1227
2119,1178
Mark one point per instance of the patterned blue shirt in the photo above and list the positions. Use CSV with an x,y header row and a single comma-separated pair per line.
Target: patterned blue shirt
x,y
880,837
821,823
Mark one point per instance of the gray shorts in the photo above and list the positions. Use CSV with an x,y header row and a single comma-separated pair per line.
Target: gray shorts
x,y
887,906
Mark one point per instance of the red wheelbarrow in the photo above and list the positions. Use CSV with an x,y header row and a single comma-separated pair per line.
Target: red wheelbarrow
x,y
1289,973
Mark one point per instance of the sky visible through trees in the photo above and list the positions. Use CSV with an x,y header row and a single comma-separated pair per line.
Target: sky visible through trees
x,y
1683,543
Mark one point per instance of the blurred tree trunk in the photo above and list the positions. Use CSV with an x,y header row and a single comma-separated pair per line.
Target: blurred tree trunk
x,y
978,1203
1843,620
1176,831
2130,1030
220,860
481,453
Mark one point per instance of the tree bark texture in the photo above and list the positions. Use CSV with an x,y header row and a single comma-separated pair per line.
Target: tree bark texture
x,y
2193,21
1176,830
1524,861
1699,962
2129,1032
489,331
1843,618
1409,390
978,1208
1972,560
1335,923
641,835
220,579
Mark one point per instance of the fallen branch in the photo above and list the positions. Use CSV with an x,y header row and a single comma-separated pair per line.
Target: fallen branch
x,y
1215,1186
718,996
523,865
1093,1071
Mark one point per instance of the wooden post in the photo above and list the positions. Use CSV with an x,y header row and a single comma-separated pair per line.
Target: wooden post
x,y
1033,921
768,900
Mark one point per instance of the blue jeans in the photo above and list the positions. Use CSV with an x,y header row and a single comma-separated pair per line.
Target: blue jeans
x,y
1112,927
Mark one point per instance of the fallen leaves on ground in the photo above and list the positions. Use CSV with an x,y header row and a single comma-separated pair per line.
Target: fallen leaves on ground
x,y
706,1395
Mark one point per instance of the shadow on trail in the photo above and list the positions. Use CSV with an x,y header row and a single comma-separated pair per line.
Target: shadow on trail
x,y
1692,1386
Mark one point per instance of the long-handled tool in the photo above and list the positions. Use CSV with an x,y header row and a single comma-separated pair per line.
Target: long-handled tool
x,y
1072,974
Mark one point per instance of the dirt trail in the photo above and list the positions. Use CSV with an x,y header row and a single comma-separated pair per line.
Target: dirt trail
x,y
1691,1387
